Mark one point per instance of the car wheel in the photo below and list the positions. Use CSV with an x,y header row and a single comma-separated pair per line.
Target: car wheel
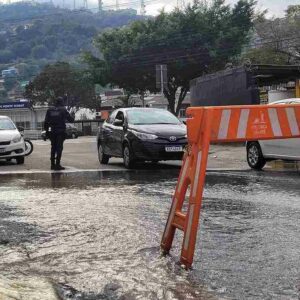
x,y
28,147
103,158
255,157
127,157
20,160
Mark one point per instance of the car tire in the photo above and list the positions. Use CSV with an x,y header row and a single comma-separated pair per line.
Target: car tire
x,y
255,157
128,157
73,135
103,158
20,160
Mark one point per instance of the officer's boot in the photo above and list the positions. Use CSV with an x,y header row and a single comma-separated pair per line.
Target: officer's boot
x,y
58,167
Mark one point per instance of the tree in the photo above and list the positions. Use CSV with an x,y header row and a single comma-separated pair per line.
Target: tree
x,y
21,49
61,79
279,39
198,40
39,51
3,96
6,56
10,83
3,42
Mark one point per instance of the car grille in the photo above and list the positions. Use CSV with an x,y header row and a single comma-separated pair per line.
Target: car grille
x,y
4,143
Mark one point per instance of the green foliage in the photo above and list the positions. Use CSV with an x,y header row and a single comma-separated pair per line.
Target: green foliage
x,y
3,42
200,39
10,83
61,79
265,55
5,55
279,39
41,31
39,51
3,96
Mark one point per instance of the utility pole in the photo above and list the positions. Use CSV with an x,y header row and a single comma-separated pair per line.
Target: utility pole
x,y
143,8
100,6
85,4
117,5
161,78
74,4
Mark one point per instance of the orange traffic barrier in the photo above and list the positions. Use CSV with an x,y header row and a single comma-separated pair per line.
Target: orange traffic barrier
x,y
218,124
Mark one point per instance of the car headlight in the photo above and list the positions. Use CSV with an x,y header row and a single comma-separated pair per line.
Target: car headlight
x,y
144,136
17,139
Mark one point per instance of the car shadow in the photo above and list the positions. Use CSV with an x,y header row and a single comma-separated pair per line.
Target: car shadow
x,y
7,163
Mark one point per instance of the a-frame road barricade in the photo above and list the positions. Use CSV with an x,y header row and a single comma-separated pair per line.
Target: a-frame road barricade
x,y
218,124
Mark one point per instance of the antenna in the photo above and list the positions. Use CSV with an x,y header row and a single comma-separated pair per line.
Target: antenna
x,y
143,8
100,5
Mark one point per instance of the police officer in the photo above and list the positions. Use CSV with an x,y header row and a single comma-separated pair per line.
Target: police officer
x,y
55,126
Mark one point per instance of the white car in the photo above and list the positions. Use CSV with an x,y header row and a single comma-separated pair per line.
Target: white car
x,y
259,152
12,144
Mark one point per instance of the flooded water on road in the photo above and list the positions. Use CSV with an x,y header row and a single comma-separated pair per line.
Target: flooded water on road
x,y
96,235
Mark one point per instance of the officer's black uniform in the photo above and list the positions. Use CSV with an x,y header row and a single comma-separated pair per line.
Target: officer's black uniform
x,y
55,126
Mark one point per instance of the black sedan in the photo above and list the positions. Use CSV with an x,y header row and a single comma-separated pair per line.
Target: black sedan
x,y
141,134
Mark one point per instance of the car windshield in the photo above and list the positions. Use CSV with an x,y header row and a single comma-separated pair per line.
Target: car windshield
x,y
144,117
6,124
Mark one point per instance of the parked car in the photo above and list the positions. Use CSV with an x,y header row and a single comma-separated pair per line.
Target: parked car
x,y
141,134
71,132
259,152
12,144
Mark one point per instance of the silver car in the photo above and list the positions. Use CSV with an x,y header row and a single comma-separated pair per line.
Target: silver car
x,y
259,152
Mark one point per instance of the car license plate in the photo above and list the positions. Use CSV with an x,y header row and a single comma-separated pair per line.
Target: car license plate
x,y
174,149
2,150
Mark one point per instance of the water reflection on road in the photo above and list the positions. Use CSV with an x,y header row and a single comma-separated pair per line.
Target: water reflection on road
x,y
99,233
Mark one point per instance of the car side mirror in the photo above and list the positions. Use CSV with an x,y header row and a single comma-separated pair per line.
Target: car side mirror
x,y
118,122
21,128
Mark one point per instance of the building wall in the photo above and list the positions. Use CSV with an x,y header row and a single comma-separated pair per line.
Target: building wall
x,y
228,87
27,118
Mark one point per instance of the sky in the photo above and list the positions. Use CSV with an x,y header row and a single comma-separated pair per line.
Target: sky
x,y
275,7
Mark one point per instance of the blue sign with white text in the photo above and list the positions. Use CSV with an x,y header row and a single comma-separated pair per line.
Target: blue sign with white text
x,y
11,105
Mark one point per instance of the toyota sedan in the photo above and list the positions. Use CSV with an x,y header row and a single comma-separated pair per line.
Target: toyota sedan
x,y
141,134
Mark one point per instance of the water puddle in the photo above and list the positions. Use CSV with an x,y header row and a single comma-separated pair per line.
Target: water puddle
x,y
96,235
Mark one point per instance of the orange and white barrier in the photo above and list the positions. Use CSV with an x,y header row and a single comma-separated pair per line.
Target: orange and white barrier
x,y
219,124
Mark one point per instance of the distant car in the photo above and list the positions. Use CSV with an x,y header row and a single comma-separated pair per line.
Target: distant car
x,y
259,152
141,134
71,132
12,144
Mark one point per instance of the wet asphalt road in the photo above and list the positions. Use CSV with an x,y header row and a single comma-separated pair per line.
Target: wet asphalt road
x,y
99,233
